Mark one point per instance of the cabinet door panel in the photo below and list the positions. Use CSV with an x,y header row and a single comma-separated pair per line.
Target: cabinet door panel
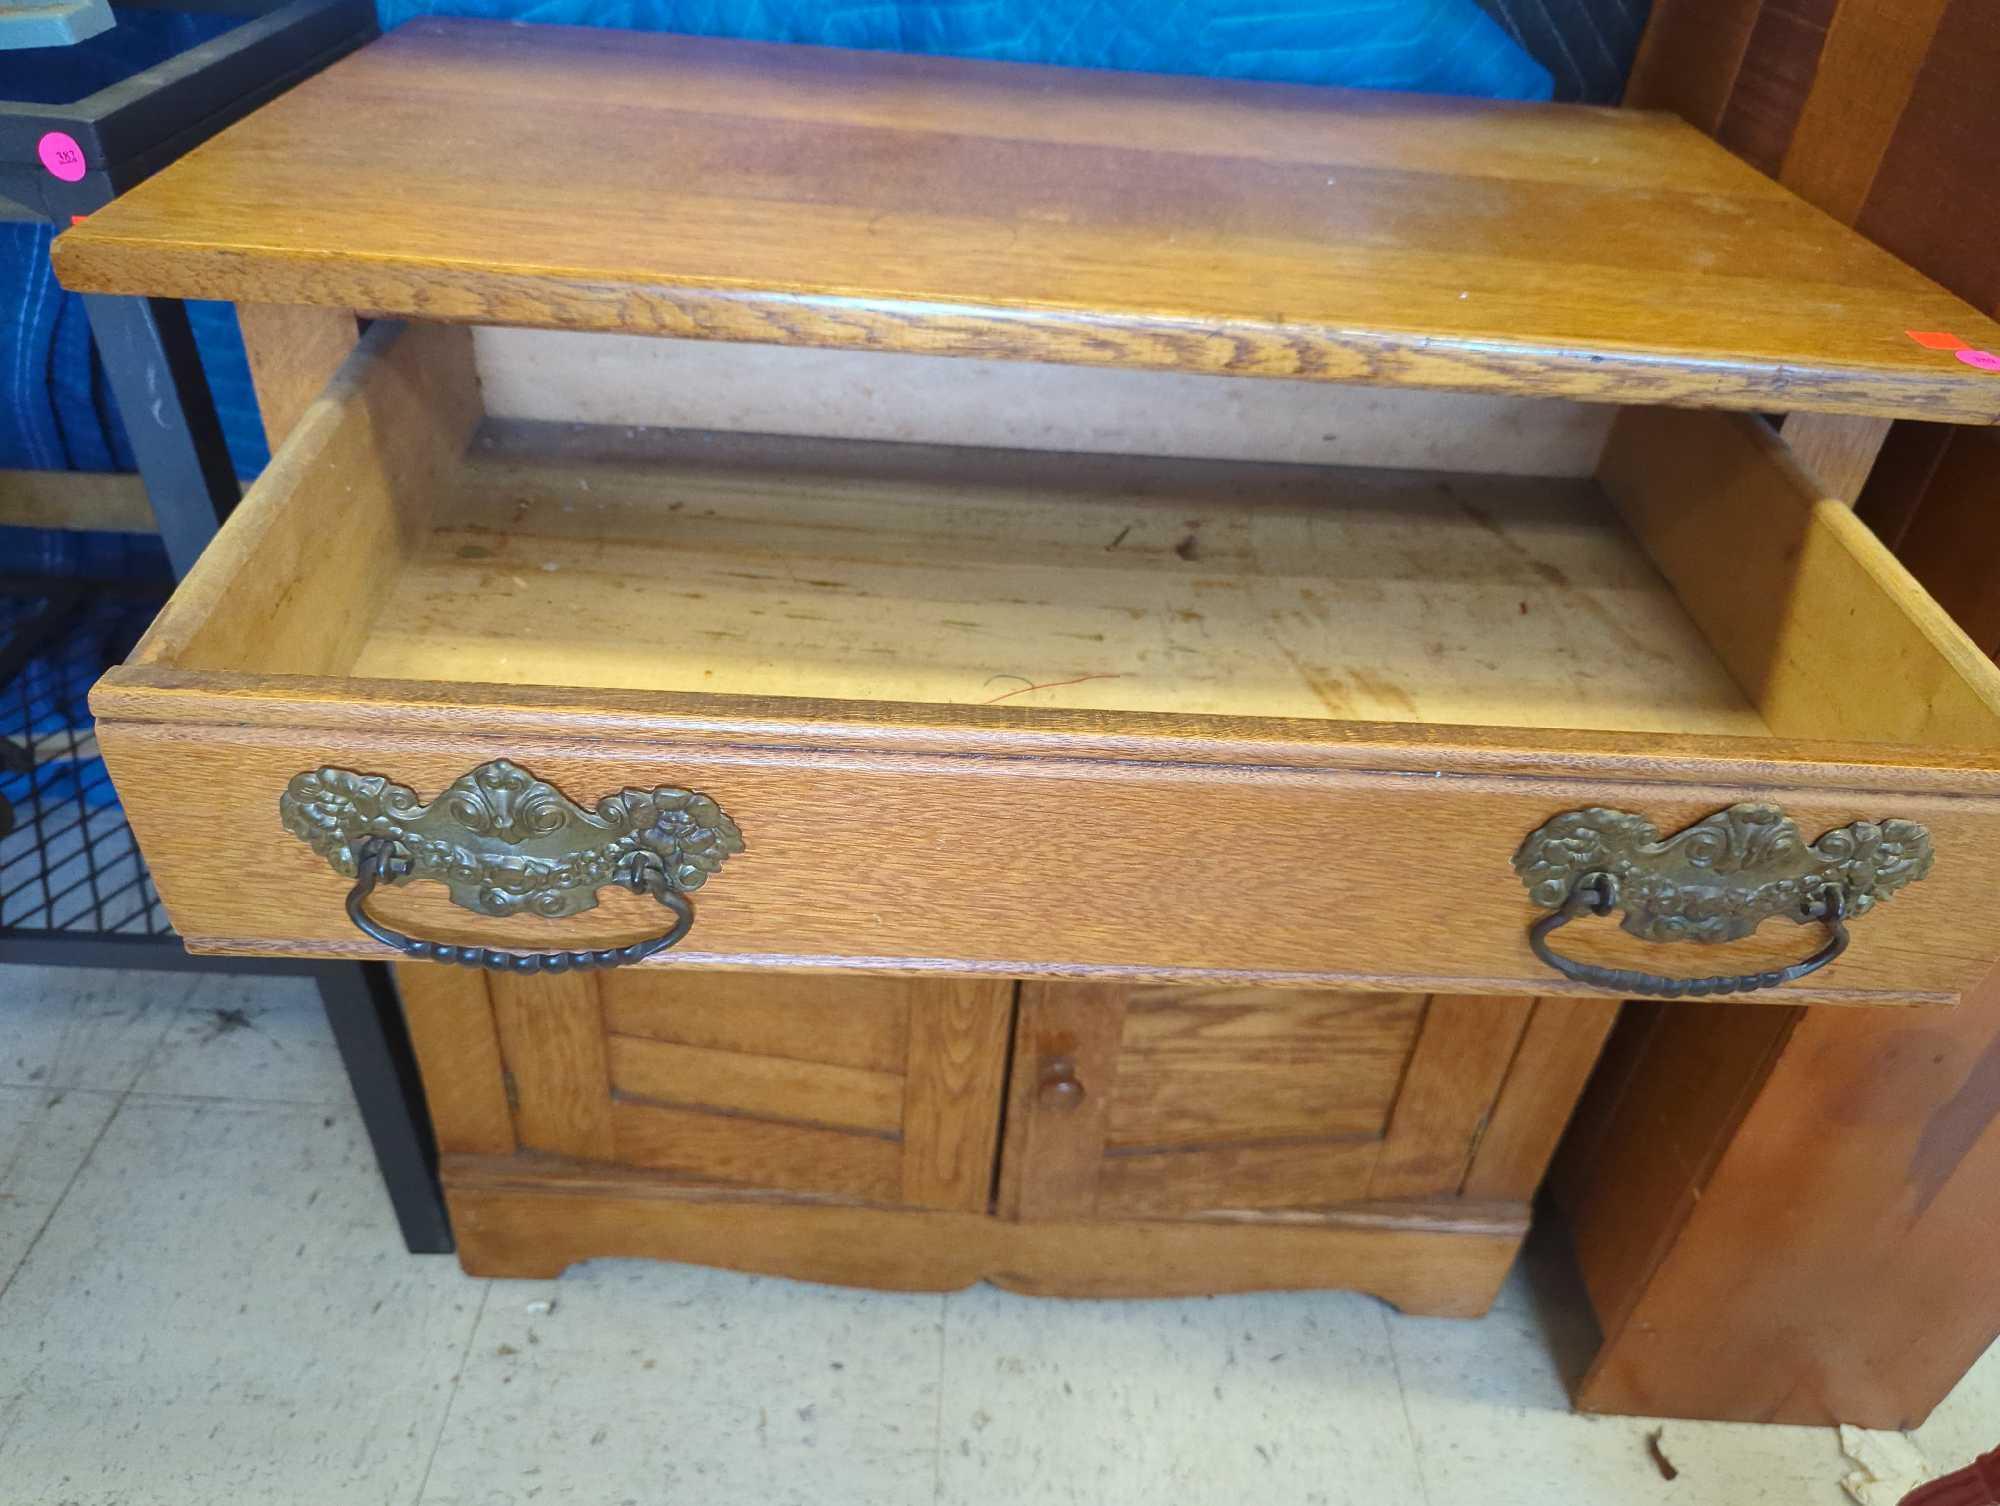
x,y
1454,1076
1204,1066
885,1090
1131,1101
1291,1174
849,1022
767,1087
702,1146
552,1045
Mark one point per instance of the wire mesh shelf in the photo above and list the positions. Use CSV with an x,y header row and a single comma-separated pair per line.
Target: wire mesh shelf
x,y
68,864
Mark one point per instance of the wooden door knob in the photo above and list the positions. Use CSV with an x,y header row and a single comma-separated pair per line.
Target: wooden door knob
x,y
1058,1086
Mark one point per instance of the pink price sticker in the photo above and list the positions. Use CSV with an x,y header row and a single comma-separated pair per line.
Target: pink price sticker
x,y
1985,360
61,155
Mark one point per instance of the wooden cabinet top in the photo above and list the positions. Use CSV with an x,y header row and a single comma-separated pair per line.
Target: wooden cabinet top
x,y
608,180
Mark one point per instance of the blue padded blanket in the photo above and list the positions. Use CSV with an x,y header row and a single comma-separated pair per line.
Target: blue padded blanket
x,y
1432,46
55,413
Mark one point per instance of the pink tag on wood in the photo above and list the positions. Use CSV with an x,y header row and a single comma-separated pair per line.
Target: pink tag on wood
x,y
61,155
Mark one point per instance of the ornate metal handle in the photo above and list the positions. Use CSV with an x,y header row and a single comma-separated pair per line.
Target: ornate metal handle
x,y
1718,880
502,841
378,859
1597,894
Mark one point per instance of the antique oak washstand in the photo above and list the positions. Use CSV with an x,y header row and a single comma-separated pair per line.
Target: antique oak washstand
x,y
1164,625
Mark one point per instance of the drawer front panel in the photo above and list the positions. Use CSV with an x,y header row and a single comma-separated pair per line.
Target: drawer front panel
x,y
1056,867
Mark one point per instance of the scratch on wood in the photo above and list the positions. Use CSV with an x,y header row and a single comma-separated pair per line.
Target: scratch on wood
x,y
1051,685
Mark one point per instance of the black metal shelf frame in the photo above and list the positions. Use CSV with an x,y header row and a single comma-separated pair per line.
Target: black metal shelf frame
x,y
74,890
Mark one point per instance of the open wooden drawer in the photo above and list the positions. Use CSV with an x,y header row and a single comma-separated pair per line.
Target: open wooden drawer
x,y
1016,713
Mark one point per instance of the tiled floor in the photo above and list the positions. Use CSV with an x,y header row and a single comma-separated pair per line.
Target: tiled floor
x,y
203,1300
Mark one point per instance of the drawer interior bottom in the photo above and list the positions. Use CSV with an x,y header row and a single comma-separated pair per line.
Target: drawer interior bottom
x,y
661,560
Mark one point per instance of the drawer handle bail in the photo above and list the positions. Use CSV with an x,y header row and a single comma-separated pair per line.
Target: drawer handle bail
x,y
503,842
1715,881
379,859
1597,894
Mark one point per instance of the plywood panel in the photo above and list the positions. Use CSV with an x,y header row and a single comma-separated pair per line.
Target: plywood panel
x,y
567,377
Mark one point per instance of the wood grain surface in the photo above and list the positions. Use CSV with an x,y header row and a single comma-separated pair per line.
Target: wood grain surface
x,y
794,1083
1462,1057
759,1157
808,196
1054,1152
1199,1066
759,1084
915,865
1558,1049
552,1041
702,1146
1203,1102
646,381
1819,624
89,501
522,1220
760,566
1837,450
294,352
457,1046
1792,1224
862,1024
360,469
886,834
1789,1216
954,1079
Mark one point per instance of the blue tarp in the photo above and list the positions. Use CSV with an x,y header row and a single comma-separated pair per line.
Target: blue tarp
x,y
55,413
1433,46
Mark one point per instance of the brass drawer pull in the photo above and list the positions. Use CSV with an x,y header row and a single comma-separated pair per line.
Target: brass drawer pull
x,y
1597,894
1716,881
378,860
502,841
